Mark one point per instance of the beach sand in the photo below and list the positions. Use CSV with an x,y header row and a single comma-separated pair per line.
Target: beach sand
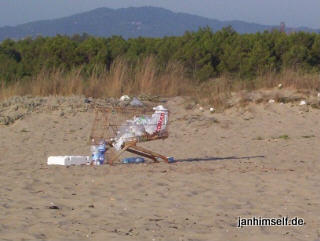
x,y
259,160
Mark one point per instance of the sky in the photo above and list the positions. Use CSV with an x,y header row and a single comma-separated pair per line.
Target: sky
x,y
294,13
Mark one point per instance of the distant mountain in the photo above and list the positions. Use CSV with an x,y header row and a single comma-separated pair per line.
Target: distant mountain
x,y
129,23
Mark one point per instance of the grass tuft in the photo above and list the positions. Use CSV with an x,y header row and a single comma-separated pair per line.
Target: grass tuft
x,y
284,137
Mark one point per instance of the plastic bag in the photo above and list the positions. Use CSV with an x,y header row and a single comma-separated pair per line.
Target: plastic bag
x,y
136,102
139,126
131,129
158,121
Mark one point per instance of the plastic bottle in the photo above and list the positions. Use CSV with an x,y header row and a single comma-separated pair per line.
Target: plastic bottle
x,y
94,154
101,150
171,159
133,160
98,153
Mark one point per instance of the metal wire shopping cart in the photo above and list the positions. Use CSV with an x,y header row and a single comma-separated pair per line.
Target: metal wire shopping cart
x,y
123,127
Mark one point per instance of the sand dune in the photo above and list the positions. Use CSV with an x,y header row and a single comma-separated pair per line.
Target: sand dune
x,y
261,160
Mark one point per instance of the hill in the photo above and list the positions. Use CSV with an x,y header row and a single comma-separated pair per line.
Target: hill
x,y
129,23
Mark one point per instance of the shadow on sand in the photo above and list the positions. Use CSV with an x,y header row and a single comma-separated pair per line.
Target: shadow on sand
x,y
217,158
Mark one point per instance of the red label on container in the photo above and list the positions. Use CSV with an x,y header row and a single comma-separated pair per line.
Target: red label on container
x,y
159,125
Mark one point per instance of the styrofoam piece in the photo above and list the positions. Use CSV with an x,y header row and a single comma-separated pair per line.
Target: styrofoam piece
x,y
68,160
303,102
124,98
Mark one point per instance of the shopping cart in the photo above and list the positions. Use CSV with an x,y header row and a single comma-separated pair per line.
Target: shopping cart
x,y
122,128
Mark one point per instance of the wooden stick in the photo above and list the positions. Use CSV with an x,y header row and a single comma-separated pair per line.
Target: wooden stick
x,y
126,146
151,153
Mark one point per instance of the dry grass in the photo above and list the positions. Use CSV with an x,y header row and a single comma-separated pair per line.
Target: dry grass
x,y
216,91
122,78
290,79
147,78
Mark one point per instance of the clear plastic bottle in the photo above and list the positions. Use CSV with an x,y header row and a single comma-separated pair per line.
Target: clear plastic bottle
x,y
102,148
94,153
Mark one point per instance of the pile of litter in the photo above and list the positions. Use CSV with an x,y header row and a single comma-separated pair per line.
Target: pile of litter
x,y
141,125
137,126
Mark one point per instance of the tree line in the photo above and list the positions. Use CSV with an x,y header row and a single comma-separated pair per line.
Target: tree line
x,y
204,54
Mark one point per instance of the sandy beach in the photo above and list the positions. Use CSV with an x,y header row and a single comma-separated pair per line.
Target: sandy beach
x,y
258,160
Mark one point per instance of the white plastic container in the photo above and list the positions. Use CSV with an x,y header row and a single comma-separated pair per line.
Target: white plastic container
x,y
68,160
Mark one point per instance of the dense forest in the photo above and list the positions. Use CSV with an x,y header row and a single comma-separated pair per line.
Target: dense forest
x,y
203,54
